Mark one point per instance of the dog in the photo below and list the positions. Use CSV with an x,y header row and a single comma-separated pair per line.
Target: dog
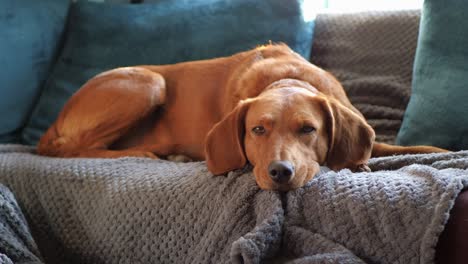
x,y
268,106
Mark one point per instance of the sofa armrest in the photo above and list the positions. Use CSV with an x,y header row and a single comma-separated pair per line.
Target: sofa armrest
x,y
453,242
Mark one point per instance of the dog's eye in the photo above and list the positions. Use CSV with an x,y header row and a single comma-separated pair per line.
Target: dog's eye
x,y
259,130
307,129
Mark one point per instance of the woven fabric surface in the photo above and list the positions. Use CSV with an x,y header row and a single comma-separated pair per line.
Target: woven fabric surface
x,y
16,242
141,210
134,210
372,54
392,215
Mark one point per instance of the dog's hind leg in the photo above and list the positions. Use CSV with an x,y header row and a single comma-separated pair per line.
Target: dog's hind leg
x,y
103,110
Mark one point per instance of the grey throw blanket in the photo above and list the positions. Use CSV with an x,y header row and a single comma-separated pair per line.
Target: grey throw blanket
x,y
134,210
372,54
16,243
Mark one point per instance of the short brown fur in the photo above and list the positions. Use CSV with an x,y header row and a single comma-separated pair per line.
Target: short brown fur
x,y
207,110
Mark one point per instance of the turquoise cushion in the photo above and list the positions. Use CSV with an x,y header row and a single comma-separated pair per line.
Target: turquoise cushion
x,y
437,113
104,36
30,32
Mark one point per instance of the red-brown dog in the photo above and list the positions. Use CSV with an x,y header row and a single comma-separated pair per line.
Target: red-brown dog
x,y
267,106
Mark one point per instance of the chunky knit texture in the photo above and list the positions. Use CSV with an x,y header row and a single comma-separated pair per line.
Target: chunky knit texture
x,y
141,210
134,210
387,216
372,54
16,243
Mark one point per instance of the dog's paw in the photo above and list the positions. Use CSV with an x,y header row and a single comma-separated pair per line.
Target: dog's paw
x,y
142,154
362,168
179,158
150,155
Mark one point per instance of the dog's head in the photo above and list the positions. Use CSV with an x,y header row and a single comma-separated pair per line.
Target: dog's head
x,y
286,133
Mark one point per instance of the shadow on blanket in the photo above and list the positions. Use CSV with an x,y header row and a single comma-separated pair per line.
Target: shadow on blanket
x,y
143,211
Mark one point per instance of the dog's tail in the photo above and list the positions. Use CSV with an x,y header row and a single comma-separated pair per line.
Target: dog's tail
x,y
382,149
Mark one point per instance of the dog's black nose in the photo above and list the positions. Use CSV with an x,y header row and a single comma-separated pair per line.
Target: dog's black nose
x,y
281,171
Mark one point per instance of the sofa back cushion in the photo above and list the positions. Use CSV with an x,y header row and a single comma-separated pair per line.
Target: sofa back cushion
x,y
105,36
30,32
437,113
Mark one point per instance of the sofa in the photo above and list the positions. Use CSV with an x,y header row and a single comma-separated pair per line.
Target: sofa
x,y
409,209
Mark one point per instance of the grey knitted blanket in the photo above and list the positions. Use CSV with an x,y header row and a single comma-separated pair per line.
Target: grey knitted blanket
x,y
134,210
372,54
16,243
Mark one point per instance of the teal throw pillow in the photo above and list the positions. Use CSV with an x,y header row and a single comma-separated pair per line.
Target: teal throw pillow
x,y
437,113
104,36
30,33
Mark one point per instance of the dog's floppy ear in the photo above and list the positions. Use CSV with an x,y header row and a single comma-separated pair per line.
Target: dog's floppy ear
x,y
350,137
224,148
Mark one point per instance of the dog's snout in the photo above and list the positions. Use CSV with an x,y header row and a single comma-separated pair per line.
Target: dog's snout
x,y
281,171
